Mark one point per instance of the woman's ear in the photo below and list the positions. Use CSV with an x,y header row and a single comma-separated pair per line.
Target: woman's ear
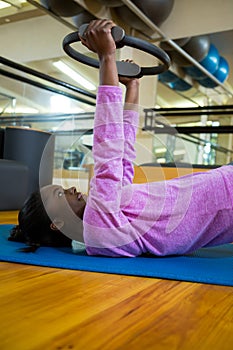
x,y
57,224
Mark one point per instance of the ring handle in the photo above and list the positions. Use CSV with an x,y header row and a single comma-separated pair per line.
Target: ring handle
x,y
126,69
117,32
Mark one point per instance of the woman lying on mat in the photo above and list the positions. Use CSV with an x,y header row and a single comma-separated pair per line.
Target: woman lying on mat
x,y
119,218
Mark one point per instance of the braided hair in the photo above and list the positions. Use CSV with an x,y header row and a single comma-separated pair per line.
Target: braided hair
x,y
34,227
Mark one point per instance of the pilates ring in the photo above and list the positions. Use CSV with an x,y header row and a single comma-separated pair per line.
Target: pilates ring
x,y
126,69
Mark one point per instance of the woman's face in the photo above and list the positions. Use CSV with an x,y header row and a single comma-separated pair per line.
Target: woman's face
x,y
55,199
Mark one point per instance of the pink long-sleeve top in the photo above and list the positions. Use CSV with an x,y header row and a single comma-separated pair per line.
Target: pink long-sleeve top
x,y
176,216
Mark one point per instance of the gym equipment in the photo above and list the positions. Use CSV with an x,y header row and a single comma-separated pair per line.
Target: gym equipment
x,y
45,3
63,8
180,85
156,10
168,77
223,70
173,81
181,42
110,3
124,68
83,17
221,74
210,62
131,19
206,265
197,47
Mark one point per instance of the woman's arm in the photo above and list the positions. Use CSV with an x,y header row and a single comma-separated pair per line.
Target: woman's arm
x,y
132,93
108,145
130,119
106,227
98,38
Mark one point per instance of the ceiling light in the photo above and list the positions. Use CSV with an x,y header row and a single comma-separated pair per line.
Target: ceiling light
x,y
62,104
74,75
4,5
59,103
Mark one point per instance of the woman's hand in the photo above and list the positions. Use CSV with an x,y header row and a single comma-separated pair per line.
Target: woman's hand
x,y
132,90
98,38
128,81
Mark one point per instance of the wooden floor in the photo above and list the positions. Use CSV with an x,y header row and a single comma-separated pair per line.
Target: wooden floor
x,y
55,309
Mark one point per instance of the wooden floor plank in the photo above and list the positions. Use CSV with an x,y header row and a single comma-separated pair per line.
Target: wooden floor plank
x,y
9,217
58,309
45,308
155,319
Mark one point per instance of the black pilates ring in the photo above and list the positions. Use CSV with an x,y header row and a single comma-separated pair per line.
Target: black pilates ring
x,y
126,69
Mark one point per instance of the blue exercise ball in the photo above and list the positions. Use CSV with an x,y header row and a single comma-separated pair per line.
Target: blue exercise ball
x,y
63,8
210,62
168,77
223,70
45,3
221,74
197,47
156,10
180,85
111,3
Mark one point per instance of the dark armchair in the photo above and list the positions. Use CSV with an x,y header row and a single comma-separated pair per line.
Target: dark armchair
x,y
26,164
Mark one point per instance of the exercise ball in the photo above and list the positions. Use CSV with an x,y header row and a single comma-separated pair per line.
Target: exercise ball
x,y
223,70
131,19
210,62
156,10
197,47
180,85
221,74
180,42
111,3
168,77
64,8
83,17
45,3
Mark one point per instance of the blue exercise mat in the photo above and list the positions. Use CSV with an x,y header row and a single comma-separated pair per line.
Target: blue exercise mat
x,y
207,265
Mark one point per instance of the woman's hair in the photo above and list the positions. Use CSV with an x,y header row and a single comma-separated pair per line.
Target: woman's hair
x,y
34,227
